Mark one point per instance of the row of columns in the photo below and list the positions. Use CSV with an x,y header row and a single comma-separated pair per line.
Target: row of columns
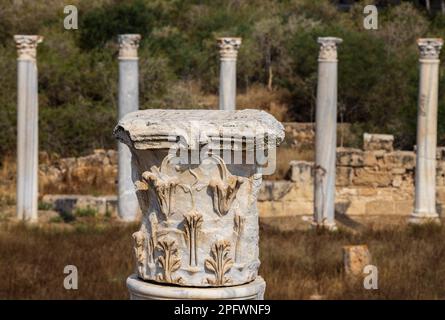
x,y
128,101
325,133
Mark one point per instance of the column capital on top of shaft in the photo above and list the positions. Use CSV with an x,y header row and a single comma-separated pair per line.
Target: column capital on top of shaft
x,y
128,46
228,47
27,46
429,48
328,48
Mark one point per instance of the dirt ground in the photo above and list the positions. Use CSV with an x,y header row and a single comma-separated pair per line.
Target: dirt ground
x,y
297,262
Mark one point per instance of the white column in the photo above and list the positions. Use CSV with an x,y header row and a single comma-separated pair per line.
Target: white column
x,y
128,102
228,51
425,197
27,127
325,134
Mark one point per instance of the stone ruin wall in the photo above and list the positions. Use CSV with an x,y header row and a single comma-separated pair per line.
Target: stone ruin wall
x,y
375,180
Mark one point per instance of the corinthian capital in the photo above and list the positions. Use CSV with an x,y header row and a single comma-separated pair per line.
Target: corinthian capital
x,y
27,46
429,48
128,46
328,48
228,48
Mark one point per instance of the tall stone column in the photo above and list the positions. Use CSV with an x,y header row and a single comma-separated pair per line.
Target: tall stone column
x,y
128,102
27,127
326,134
425,197
228,51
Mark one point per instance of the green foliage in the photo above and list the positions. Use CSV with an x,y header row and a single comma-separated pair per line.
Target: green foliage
x,y
85,212
56,219
44,205
77,128
67,216
78,70
102,24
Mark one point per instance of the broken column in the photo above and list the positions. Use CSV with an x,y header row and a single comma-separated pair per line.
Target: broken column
x,y
325,134
228,51
128,102
425,176
27,127
199,232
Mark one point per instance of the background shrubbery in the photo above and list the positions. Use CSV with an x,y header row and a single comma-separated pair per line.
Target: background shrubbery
x,y
378,75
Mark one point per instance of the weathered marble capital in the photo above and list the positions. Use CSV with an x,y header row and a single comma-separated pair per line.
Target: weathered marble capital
x,y
200,219
228,48
328,48
27,46
128,46
429,48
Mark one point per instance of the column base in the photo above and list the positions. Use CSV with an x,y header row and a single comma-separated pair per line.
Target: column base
x,y
330,226
423,218
143,290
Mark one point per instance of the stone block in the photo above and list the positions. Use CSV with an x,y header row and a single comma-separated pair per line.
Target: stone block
x,y
351,206
355,258
301,171
404,207
440,153
401,159
380,207
303,192
349,157
399,171
370,159
343,176
368,192
371,178
378,142
440,194
397,181
274,190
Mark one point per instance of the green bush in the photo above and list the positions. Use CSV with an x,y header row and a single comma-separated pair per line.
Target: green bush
x,y
85,212
44,205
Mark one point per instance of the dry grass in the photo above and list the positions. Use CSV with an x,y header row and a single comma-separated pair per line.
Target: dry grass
x,y
7,181
410,263
296,264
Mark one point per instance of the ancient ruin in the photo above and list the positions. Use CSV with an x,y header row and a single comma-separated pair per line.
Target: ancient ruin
x,y
425,197
200,220
27,127
326,134
228,52
128,102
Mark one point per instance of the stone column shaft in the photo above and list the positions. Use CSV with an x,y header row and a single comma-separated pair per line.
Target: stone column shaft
x,y
128,102
425,178
27,127
325,134
228,49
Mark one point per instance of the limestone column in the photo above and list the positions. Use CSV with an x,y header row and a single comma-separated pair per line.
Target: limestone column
x,y
325,134
228,51
425,182
27,127
128,102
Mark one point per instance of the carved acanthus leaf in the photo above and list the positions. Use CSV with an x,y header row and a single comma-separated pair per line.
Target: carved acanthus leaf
x,y
169,261
219,263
